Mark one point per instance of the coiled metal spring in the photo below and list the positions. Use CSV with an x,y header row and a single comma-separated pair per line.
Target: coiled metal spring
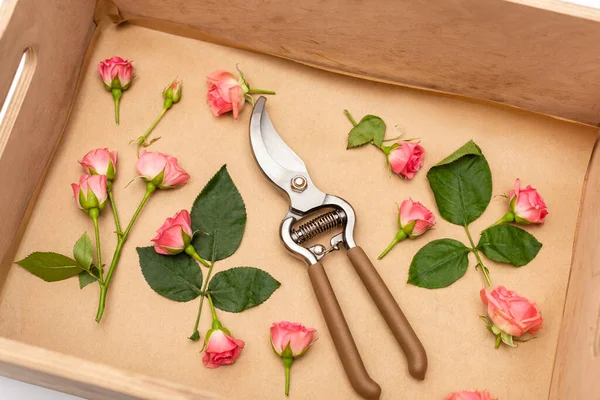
x,y
318,225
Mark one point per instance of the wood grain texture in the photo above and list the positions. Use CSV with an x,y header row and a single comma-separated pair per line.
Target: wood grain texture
x,y
577,364
510,53
84,378
58,33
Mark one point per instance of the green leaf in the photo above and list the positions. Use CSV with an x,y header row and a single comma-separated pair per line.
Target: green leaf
x,y
237,289
370,129
195,336
49,266
177,277
509,244
220,212
439,264
85,278
83,251
462,185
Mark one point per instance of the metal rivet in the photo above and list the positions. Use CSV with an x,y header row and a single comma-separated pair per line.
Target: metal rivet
x,y
318,249
299,184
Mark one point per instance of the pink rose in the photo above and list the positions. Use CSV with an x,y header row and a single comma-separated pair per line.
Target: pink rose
x,y
161,169
511,313
225,93
414,218
91,192
527,205
174,234
464,395
116,73
100,162
222,349
292,334
172,93
406,159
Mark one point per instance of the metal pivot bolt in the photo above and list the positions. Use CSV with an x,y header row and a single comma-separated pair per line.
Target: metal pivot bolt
x,y
299,184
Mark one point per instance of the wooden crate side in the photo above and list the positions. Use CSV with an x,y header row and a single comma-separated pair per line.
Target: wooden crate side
x,y
577,363
505,52
57,35
83,378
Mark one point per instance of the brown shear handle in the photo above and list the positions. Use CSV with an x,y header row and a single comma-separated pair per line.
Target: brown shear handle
x,y
391,312
340,333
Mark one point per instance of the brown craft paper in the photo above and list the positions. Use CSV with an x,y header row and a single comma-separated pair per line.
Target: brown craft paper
x,y
146,333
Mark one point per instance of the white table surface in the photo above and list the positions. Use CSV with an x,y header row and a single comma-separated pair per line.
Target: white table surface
x,y
16,390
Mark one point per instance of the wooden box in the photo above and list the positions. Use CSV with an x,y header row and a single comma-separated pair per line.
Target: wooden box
x,y
520,77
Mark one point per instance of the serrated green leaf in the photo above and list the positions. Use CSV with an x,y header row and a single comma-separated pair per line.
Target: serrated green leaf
x,y
220,212
439,264
83,251
50,266
85,278
237,289
509,244
177,277
462,185
370,129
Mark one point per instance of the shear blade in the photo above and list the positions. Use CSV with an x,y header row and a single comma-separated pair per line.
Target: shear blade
x,y
278,162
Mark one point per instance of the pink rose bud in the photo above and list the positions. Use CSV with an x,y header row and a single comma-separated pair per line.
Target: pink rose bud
x,y
225,93
464,395
290,340
527,205
161,170
222,349
405,158
172,93
174,234
510,315
91,192
100,162
117,75
414,219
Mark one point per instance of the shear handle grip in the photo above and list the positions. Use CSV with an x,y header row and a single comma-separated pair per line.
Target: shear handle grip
x,y
392,314
341,335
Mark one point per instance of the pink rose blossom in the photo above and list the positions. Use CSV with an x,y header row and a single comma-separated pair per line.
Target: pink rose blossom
x,y
91,192
100,162
406,159
414,218
174,234
511,313
464,395
225,93
292,334
222,349
527,205
161,169
116,73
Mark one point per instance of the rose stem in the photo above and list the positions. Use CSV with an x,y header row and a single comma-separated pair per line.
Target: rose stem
x,y
116,94
260,91
142,139
287,363
474,250
204,287
150,188
113,206
94,213
401,235
350,117
508,217
190,251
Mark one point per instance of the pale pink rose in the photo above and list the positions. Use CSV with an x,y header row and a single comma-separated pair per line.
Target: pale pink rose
x,y
116,73
172,93
527,205
407,159
293,334
512,313
225,93
222,349
100,162
464,395
174,234
414,218
91,192
161,169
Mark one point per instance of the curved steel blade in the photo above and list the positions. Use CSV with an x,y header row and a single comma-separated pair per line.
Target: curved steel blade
x,y
279,163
